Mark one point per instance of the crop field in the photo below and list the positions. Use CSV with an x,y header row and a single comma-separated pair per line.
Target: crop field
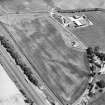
x,y
95,34
63,69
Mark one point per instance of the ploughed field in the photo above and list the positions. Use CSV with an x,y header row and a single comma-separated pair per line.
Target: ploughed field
x,y
63,69
94,34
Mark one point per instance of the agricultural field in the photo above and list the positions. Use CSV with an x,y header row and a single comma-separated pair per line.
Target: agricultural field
x,y
64,69
93,35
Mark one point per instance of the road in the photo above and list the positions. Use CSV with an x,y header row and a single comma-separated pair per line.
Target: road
x,y
19,77
71,37
68,33
10,35
6,18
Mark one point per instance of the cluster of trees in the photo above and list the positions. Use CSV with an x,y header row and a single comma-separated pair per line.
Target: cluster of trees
x,y
10,48
59,10
27,100
91,53
95,51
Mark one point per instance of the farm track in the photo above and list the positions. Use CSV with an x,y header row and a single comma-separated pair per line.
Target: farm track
x,y
30,62
69,34
19,77
37,76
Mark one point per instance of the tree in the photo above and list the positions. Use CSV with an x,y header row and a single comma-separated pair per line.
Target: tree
x,y
96,49
101,84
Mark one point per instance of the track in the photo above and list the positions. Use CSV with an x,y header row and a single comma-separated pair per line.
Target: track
x,y
69,34
14,71
30,61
